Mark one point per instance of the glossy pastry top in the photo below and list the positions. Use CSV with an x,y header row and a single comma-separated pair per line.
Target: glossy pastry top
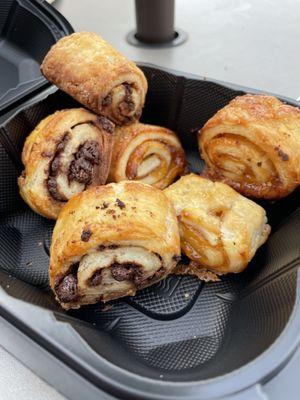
x,y
220,229
123,214
67,152
253,144
147,153
256,108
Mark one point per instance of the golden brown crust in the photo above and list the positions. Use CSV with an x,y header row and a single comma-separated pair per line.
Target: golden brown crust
x,y
89,69
220,230
112,222
253,144
146,153
194,269
56,142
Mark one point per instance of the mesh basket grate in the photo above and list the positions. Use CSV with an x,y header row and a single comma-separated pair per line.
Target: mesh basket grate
x,y
180,327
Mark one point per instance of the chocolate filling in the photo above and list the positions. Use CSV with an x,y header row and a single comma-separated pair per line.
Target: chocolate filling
x,y
105,124
120,204
113,246
133,272
128,91
66,290
127,105
101,247
54,168
140,281
81,168
282,154
85,235
124,272
104,205
55,165
96,279
52,189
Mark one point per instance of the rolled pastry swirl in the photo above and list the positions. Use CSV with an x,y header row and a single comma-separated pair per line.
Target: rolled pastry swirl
x,y
146,153
67,152
89,69
110,241
220,230
253,144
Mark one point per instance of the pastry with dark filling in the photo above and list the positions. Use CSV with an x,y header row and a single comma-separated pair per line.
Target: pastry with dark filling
x,y
67,152
220,230
110,241
253,145
146,153
89,69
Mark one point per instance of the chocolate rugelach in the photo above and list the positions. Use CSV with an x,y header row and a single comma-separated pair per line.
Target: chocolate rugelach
x,y
110,241
67,152
89,69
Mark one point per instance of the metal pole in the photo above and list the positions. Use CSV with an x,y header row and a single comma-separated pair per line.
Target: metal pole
x,y
155,25
154,21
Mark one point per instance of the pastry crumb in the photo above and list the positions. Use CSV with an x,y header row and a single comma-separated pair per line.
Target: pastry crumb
x,y
196,270
107,307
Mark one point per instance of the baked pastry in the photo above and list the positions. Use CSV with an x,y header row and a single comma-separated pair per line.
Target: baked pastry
x,y
89,69
146,153
220,230
67,152
110,241
253,144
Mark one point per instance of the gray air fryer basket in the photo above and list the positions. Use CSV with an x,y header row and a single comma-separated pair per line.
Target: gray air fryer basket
x,y
179,339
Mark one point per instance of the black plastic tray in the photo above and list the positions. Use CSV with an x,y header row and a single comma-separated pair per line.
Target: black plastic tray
x,y
27,29
180,339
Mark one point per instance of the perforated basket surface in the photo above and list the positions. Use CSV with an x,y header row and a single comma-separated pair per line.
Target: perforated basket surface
x,y
180,329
